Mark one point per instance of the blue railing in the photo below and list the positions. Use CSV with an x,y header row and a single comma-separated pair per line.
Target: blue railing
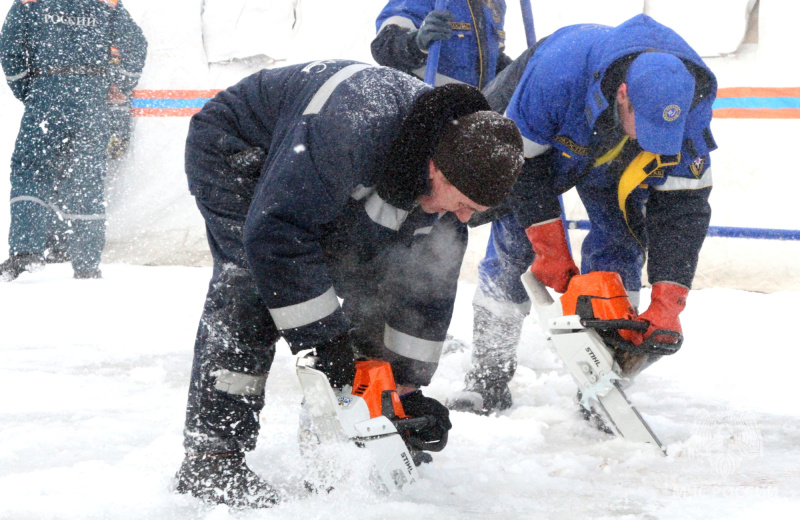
x,y
723,231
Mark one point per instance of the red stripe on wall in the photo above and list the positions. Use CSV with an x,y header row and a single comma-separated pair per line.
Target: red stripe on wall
x,y
723,113
164,112
174,94
757,113
736,92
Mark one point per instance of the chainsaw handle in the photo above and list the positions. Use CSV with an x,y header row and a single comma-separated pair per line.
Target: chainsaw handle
x,y
663,348
414,423
637,325
648,346
407,427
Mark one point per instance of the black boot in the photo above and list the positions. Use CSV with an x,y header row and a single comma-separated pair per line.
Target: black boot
x,y
88,274
224,478
19,263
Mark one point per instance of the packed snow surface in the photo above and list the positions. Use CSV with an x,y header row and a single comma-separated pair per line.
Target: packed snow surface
x,y
94,376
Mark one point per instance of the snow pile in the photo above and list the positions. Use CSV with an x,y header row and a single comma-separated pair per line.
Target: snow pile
x,y
95,373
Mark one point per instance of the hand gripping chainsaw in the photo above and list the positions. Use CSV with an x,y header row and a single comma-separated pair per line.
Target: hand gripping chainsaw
x,y
590,329
369,414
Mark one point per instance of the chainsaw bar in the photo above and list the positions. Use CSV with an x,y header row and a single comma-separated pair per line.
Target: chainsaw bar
x,y
590,362
334,416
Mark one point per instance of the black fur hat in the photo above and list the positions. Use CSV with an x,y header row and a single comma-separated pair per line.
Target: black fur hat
x,y
480,155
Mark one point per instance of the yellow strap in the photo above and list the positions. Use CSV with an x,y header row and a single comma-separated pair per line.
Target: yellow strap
x,y
633,176
611,154
644,165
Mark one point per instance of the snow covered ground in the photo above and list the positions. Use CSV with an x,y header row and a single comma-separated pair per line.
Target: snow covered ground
x,y
94,374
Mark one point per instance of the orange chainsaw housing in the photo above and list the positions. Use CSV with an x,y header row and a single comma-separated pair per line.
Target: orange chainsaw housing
x,y
605,293
373,377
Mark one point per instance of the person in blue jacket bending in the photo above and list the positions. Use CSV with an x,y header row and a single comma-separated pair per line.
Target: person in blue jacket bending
x,y
321,181
65,60
471,32
622,114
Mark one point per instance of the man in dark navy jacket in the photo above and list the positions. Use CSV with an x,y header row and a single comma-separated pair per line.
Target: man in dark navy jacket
x,y
623,114
322,181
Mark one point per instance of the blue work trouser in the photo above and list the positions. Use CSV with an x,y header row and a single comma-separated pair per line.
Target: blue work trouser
x,y
609,246
58,168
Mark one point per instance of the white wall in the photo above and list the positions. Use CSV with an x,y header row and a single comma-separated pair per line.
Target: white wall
x,y
199,44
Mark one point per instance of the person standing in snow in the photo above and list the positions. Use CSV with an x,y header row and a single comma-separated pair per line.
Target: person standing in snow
x,y
622,114
320,181
471,32
65,60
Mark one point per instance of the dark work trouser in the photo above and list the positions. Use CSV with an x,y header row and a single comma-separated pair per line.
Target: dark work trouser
x,y
58,168
235,342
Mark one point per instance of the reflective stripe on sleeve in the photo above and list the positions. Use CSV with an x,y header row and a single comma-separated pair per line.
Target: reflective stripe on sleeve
x,y
380,211
412,347
238,383
15,77
682,183
424,230
327,88
61,214
531,149
402,21
305,313
129,73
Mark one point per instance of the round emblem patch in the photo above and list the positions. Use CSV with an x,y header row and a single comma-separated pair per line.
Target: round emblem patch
x,y
671,113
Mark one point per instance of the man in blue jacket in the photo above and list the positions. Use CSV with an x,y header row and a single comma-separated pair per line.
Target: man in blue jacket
x,y
622,114
322,181
64,59
471,32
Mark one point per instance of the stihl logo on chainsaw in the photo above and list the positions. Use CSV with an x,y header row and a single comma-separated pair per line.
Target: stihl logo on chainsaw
x,y
407,462
593,356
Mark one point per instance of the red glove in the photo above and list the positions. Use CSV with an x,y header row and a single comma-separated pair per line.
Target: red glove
x,y
666,303
553,265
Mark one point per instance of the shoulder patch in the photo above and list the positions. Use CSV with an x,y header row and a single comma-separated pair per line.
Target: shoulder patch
x,y
698,166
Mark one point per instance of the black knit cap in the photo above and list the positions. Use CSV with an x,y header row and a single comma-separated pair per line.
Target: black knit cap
x,y
481,155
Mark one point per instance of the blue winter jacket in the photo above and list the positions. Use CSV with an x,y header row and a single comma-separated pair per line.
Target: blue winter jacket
x,y
326,129
61,37
473,55
560,102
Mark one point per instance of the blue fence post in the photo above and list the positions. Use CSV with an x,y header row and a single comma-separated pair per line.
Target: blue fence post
x,y
433,52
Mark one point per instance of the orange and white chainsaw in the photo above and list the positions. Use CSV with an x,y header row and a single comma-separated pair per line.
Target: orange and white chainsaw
x,y
368,414
590,328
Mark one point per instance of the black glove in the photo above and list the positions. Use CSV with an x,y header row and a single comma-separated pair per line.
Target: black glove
x,y
434,27
417,405
336,360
